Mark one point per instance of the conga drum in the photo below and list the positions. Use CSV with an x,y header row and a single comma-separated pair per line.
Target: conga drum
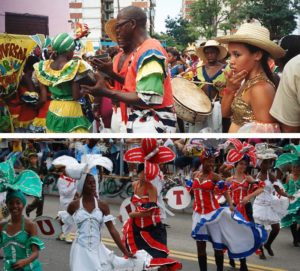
x,y
191,102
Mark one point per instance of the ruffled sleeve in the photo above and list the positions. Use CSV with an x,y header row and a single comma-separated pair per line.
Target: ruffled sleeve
x,y
34,240
66,218
151,73
108,218
49,77
189,185
257,184
221,187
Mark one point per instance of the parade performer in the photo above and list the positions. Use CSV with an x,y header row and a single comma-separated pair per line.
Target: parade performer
x,y
292,187
144,229
90,215
240,184
224,229
250,88
268,209
147,83
19,235
61,76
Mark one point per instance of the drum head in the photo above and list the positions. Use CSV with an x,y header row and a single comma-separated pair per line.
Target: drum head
x,y
178,197
191,96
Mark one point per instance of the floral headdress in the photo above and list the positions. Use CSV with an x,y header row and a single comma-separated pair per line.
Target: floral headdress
x,y
151,155
289,158
27,181
240,151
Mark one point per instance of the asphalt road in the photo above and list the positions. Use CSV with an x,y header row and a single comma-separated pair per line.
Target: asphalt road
x,y
181,245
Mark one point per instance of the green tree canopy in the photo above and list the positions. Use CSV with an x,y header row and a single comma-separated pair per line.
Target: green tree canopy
x,y
279,16
181,31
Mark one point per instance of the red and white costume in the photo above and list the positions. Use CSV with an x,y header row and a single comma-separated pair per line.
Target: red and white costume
x,y
147,232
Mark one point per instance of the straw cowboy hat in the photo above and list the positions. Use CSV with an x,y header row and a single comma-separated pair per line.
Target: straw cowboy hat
x,y
255,35
110,29
212,43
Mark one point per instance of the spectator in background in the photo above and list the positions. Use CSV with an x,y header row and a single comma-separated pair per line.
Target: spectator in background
x,y
286,104
37,203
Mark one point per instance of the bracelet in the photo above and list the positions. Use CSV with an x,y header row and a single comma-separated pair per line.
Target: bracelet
x,y
226,91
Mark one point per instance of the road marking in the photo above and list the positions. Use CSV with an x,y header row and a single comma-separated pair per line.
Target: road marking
x,y
210,260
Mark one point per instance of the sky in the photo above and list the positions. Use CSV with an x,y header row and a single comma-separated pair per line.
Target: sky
x,y
163,9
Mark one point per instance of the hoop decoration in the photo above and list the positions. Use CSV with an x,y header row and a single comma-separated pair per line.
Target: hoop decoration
x,y
126,208
178,198
47,227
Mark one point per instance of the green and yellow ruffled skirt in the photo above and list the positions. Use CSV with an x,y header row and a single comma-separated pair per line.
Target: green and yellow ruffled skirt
x,y
66,117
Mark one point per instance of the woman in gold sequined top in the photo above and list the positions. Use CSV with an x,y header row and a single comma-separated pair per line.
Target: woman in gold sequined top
x,y
250,88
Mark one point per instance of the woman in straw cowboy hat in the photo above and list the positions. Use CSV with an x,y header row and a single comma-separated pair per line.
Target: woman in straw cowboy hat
x,y
250,88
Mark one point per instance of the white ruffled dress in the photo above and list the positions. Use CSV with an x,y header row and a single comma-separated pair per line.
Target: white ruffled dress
x,y
269,209
88,253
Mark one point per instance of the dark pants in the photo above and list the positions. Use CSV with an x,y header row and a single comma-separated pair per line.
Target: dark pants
x,y
38,204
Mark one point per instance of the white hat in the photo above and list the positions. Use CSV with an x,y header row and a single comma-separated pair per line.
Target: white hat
x,y
64,160
255,35
212,43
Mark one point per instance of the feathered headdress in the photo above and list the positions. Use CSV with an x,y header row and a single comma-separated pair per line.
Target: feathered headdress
x,y
81,30
79,171
27,181
289,158
240,151
151,155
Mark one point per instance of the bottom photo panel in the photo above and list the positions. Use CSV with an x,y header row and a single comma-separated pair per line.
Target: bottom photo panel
x,y
149,204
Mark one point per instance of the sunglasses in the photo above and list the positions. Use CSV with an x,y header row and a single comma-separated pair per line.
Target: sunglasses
x,y
120,24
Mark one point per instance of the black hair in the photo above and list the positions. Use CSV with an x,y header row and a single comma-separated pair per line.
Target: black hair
x,y
291,44
135,13
174,52
264,61
31,60
246,158
140,168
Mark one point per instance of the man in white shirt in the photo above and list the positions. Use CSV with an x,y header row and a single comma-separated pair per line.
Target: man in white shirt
x,y
286,104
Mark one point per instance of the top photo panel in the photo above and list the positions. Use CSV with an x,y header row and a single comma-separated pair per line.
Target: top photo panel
x,y
105,66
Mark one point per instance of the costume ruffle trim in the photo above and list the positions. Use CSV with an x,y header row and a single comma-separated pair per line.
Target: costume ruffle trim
x,y
66,124
50,77
34,240
259,233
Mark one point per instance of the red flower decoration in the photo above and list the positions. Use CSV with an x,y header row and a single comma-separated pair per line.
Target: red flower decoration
x,y
151,155
240,150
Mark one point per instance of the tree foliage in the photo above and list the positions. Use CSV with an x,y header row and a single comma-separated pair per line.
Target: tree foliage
x,y
279,16
181,31
210,15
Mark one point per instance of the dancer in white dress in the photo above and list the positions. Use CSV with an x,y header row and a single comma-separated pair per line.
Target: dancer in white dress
x,y
88,253
268,209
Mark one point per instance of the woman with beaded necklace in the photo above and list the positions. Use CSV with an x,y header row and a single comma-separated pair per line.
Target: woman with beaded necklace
x,y
250,88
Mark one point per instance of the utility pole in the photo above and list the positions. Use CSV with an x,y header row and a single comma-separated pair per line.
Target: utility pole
x,y
150,17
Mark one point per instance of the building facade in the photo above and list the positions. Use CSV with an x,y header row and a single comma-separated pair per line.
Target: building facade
x,y
186,8
31,17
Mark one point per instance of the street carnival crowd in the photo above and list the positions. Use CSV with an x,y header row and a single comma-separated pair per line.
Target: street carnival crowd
x,y
243,192
242,82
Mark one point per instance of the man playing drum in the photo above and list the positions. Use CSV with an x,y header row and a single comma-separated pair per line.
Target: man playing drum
x,y
147,83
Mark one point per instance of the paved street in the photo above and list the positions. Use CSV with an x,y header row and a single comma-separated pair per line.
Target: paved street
x,y
56,254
